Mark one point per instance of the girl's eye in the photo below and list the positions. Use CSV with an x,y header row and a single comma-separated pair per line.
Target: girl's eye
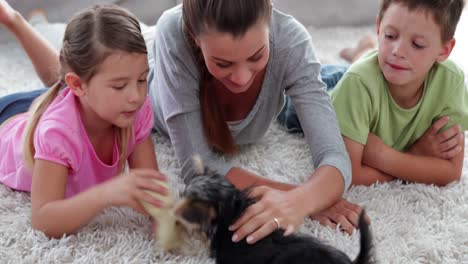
x,y
142,81
119,87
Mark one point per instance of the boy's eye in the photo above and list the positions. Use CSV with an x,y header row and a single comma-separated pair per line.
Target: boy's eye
x,y
418,46
389,36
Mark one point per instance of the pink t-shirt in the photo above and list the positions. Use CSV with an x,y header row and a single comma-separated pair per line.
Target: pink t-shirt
x,y
60,137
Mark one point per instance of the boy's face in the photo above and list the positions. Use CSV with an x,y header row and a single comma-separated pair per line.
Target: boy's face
x,y
409,44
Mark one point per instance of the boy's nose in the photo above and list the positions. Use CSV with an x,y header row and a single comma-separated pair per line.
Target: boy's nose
x,y
399,50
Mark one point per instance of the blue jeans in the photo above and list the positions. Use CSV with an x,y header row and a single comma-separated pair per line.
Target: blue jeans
x,y
331,74
17,103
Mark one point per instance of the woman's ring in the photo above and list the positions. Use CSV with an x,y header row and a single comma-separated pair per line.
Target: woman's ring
x,y
278,226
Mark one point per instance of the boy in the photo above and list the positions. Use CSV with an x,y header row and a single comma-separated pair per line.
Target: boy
x,y
392,102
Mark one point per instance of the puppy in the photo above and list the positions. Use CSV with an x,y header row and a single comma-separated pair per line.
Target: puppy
x,y
210,204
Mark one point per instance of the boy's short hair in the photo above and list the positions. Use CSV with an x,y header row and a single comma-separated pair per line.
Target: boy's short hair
x,y
446,13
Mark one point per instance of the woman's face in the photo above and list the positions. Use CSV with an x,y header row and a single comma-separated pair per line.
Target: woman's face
x,y
235,62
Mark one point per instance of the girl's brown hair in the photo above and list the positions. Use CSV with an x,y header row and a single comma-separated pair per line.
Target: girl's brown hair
x,y
90,37
228,16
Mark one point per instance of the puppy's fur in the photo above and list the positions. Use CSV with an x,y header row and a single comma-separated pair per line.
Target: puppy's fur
x,y
211,204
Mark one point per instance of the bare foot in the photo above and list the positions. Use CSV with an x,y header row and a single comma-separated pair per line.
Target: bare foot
x,y
37,16
352,54
7,13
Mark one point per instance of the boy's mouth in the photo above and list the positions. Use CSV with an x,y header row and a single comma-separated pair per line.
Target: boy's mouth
x,y
396,67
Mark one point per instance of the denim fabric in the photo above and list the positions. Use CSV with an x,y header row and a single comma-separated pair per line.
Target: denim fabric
x,y
288,118
17,103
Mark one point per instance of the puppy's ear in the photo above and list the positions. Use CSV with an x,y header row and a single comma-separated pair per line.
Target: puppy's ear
x,y
195,215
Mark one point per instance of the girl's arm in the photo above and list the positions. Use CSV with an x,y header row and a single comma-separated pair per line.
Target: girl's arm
x,y
56,215
53,214
362,173
143,155
43,55
413,168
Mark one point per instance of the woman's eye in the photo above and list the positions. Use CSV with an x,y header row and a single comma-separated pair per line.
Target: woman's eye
x,y
224,65
255,59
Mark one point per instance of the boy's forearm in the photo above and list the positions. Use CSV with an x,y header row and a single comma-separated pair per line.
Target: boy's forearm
x,y
409,167
368,175
66,216
41,53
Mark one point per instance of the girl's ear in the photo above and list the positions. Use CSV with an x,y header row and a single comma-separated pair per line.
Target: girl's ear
x,y
74,82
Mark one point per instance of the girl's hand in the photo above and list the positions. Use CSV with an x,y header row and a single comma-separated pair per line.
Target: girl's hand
x,y
7,13
258,220
344,213
444,145
131,187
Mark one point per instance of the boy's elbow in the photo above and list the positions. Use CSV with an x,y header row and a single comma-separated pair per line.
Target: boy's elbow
x,y
450,178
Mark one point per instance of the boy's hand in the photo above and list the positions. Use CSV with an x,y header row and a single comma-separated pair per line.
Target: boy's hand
x,y
7,13
344,213
444,145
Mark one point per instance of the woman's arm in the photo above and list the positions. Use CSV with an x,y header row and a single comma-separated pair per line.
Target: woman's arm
x,y
288,207
43,55
412,168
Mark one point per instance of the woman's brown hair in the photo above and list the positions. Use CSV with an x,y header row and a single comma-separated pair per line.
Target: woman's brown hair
x,y
227,16
90,37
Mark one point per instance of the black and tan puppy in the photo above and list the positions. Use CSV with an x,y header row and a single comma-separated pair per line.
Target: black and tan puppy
x,y
210,204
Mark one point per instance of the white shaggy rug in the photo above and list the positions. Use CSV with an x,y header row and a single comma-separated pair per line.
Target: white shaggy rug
x,y
411,223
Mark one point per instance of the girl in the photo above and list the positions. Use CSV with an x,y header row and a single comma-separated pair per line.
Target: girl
x,y
70,147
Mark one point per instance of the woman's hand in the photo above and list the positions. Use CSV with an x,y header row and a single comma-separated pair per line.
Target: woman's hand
x,y
7,13
131,187
344,213
258,220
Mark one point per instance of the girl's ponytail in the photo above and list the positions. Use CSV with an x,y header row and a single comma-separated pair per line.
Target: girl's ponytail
x,y
36,111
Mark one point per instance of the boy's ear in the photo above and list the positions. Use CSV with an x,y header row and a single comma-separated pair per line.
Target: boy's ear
x,y
377,24
74,82
447,48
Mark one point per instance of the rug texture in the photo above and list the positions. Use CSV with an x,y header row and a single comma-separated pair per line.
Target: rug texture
x,y
411,223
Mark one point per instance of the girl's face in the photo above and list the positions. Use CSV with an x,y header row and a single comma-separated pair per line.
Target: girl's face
x,y
118,89
235,62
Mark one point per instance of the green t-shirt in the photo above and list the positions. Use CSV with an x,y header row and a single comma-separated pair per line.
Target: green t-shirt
x,y
363,103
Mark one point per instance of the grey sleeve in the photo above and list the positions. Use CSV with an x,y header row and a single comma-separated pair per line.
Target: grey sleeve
x,y
175,94
313,105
